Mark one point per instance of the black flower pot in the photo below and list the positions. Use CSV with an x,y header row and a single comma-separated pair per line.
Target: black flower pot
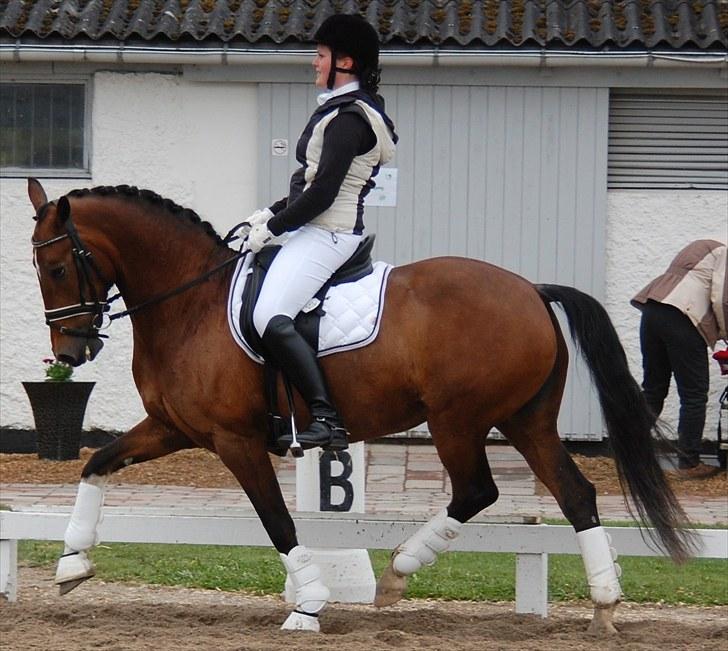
x,y
58,410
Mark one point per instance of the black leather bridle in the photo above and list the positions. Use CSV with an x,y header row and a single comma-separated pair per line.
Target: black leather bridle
x,y
89,301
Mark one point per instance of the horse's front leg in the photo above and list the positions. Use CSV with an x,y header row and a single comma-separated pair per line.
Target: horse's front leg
x,y
149,439
249,461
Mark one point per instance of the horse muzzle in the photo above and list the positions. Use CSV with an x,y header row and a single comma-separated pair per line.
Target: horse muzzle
x,y
84,350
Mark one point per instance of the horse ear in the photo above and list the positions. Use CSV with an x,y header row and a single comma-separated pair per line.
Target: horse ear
x,y
63,209
37,194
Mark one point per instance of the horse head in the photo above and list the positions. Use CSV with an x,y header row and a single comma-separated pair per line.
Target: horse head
x,y
73,286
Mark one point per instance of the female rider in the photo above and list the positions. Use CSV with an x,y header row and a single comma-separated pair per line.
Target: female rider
x,y
346,140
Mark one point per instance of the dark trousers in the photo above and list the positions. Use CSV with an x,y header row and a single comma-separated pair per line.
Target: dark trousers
x,y
672,345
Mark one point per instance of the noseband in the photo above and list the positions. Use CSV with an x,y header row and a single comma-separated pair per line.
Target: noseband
x,y
89,302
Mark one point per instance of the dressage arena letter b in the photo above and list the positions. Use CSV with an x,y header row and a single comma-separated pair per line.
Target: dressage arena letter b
x,y
327,480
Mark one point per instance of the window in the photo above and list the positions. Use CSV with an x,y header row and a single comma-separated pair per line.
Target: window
x,y
668,139
43,128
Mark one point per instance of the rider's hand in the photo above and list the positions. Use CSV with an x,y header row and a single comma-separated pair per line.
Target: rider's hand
x,y
259,217
242,230
259,237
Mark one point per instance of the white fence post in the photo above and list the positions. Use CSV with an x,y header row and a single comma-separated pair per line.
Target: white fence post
x,y
336,481
532,584
9,569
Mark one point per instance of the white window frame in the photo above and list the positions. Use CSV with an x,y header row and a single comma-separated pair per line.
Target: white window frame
x,y
83,172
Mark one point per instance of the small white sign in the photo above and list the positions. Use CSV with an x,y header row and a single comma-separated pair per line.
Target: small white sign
x,y
385,192
279,147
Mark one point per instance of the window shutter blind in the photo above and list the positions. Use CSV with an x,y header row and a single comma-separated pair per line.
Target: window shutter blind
x,y
668,140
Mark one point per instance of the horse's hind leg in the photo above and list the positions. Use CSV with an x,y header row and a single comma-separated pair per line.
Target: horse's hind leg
x,y
148,440
473,489
533,432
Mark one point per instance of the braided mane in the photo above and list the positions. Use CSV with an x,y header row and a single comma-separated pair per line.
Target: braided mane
x,y
153,199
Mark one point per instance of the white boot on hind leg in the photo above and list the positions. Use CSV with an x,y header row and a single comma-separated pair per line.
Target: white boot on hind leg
x,y
311,594
429,541
602,573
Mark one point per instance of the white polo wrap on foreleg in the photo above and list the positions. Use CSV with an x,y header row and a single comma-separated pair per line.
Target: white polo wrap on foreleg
x,y
311,594
422,548
81,533
602,572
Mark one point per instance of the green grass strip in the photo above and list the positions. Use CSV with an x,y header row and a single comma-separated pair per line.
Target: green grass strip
x,y
455,576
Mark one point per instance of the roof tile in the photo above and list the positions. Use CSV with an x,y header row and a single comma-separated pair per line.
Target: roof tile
x,y
468,24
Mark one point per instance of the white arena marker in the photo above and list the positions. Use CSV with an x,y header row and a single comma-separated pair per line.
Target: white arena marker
x,y
335,481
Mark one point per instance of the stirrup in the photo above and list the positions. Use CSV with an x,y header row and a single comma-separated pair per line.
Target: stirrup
x,y
337,437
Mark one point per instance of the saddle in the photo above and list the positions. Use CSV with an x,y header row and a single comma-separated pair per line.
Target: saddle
x,y
306,323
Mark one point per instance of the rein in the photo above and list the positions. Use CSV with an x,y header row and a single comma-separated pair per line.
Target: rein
x,y
173,292
85,266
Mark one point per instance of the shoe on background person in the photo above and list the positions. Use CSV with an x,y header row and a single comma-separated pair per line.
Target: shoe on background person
x,y
699,471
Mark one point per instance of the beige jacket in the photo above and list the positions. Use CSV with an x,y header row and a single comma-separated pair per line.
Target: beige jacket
x,y
342,214
696,284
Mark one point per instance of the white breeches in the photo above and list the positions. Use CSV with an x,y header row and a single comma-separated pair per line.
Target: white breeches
x,y
305,262
422,548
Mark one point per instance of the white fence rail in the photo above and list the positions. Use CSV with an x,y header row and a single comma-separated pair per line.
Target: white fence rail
x,y
532,543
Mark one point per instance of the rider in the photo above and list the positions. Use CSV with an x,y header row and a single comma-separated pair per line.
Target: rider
x,y
346,140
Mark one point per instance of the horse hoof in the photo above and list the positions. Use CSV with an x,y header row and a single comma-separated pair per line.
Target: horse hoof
x,y
301,622
67,586
390,587
73,570
602,623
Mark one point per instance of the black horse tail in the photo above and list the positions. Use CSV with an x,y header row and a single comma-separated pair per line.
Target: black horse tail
x,y
631,427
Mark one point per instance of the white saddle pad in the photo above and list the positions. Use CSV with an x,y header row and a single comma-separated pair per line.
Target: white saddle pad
x,y
353,311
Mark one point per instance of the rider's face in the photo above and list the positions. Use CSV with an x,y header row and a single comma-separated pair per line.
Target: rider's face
x,y
322,65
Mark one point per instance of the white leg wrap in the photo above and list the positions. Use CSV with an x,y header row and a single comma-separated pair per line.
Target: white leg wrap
x,y
311,594
422,548
81,532
602,572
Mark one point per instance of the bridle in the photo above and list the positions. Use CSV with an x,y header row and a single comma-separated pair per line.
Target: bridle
x,y
89,301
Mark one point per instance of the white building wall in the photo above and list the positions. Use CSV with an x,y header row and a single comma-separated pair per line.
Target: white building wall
x,y
645,229
193,143
196,143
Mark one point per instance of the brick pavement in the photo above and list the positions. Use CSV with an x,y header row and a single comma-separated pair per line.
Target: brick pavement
x,y
403,479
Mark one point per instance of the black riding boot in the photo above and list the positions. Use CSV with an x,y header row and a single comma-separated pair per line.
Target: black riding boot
x,y
295,357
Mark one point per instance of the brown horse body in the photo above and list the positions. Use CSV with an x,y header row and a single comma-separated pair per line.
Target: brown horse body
x,y
463,345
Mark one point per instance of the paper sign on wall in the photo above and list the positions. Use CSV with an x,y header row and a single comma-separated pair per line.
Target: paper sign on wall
x,y
385,192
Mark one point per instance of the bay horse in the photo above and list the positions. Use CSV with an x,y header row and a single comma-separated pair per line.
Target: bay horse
x,y
451,351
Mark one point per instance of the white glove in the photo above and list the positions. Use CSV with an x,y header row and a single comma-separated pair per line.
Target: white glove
x,y
259,217
243,229
259,237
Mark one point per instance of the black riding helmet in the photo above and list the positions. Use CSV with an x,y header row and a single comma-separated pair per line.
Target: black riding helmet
x,y
351,35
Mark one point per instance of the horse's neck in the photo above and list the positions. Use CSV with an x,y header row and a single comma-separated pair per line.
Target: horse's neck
x,y
154,257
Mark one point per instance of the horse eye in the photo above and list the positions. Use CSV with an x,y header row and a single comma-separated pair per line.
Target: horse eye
x,y
58,273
